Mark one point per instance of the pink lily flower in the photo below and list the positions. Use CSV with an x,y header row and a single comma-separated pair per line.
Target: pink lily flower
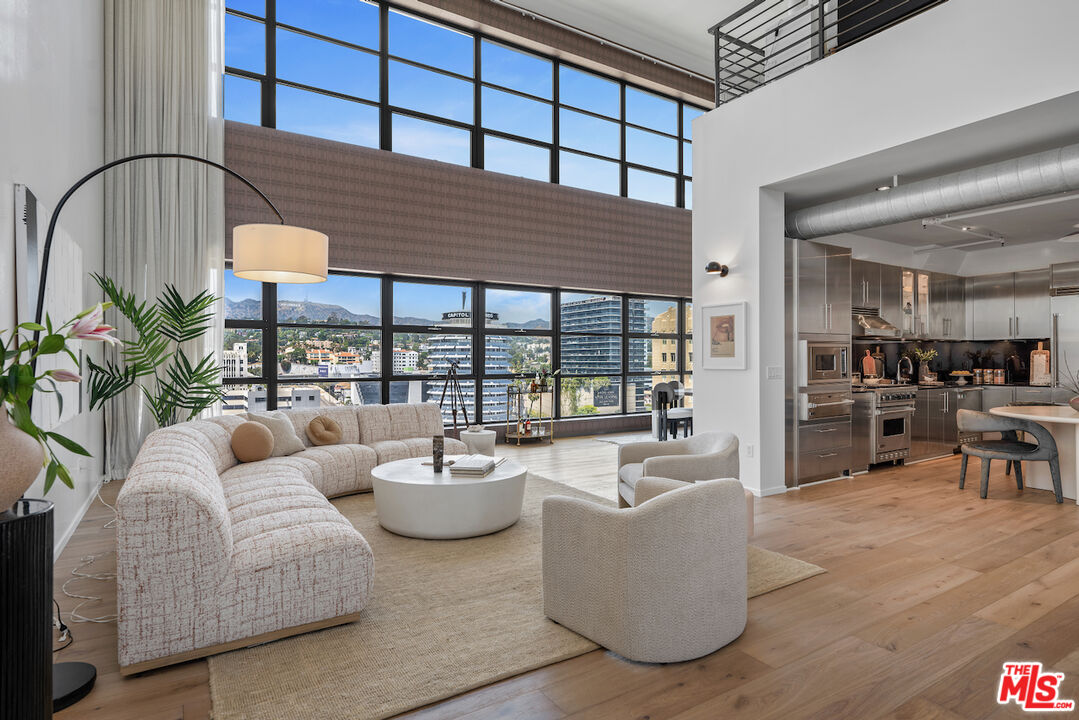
x,y
64,376
88,322
101,333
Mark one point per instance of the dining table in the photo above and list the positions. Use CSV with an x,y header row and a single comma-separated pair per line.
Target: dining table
x,y
1062,422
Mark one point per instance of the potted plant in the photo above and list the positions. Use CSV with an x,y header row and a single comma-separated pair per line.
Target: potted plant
x,y
544,377
25,447
924,357
174,387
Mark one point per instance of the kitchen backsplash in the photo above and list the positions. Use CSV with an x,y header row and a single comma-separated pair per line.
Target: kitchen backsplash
x,y
1012,355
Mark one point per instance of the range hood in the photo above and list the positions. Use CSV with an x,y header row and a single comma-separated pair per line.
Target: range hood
x,y
867,322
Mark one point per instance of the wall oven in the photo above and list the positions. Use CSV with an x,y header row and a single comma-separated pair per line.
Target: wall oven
x,y
824,362
835,405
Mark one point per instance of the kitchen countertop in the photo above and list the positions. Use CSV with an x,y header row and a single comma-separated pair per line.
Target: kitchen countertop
x,y
856,387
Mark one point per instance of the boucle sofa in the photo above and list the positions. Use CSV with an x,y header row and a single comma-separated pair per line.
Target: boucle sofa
x,y
213,554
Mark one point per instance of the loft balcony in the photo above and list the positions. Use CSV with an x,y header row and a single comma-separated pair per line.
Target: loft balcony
x,y
769,39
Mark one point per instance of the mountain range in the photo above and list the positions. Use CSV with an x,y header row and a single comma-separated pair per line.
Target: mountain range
x,y
291,311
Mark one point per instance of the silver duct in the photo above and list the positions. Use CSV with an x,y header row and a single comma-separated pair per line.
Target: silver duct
x,y
1030,176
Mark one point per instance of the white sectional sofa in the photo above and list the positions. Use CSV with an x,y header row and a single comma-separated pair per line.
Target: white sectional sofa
x,y
213,554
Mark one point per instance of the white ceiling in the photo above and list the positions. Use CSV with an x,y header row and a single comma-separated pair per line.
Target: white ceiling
x,y
1032,129
675,31
1017,225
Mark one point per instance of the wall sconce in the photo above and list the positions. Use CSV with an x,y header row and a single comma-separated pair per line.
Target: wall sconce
x,y
714,268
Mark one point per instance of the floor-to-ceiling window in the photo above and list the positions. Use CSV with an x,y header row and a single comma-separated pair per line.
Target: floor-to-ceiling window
x,y
368,339
374,74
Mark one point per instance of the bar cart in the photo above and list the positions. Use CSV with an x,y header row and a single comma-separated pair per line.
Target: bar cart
x,y
530,413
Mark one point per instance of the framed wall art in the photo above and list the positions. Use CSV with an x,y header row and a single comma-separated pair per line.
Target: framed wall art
x,y
725,336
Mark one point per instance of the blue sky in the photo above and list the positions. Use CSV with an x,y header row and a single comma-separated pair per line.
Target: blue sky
x,y
355,72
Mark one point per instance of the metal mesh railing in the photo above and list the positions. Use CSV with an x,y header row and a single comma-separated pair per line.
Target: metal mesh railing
x,y
769,39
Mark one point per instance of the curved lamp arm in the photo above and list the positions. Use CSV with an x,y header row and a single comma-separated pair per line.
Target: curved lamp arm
x,y
38,313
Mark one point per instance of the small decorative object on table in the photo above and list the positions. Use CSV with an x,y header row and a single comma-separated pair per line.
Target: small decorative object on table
x,y
438,449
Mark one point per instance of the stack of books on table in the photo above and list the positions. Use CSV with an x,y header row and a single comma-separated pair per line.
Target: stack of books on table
x,y
475,465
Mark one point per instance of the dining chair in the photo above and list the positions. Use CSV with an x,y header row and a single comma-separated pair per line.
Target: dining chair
x,y
665,398
1009,448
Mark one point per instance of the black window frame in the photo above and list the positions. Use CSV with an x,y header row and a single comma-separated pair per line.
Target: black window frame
x,y
269,81
273,382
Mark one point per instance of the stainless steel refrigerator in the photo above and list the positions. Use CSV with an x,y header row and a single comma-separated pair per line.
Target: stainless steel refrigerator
x,y
1064,344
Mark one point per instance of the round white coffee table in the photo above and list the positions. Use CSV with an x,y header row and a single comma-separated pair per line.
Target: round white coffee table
x,y
411,499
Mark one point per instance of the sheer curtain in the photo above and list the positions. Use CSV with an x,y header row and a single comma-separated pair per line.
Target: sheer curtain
x,y
164,219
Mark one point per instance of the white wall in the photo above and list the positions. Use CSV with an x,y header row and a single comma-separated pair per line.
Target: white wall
x,y
956,64
51,133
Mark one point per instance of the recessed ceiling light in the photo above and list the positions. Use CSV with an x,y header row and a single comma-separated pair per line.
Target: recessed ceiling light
x,y
966,228
882,188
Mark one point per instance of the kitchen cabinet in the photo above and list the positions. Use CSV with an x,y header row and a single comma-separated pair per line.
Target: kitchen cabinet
x,y
865,284
993,304
824,291
1010,305
891,291
993,397
935,428
915,303
1033,394
1033,318
956,326
966,398
947,307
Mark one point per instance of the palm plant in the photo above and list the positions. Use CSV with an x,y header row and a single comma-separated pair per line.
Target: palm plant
x,y
174,387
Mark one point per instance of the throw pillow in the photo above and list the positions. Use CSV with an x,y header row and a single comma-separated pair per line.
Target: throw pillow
x,y
285,441
323,430
251,442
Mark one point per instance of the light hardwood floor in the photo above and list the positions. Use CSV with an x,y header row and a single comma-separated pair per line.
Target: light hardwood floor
x,y
929,590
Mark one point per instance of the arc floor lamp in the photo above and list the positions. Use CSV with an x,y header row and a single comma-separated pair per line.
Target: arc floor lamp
x,y
264,252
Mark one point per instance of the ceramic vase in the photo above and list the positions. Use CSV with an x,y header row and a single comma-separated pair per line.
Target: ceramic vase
x,y
22,456
1074,402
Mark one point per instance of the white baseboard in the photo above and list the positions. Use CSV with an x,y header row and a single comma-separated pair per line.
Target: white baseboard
x,y
765,492
65,534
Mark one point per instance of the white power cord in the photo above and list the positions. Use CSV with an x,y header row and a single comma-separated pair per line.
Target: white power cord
x,y
77,574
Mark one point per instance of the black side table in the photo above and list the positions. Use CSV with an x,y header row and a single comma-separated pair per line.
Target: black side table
x,y
26,610
32,687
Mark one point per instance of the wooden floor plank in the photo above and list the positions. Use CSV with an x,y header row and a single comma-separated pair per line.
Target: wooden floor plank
x,y
929,589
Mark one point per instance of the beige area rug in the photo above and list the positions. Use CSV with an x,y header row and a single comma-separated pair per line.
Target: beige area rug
x,y
445,617
770,571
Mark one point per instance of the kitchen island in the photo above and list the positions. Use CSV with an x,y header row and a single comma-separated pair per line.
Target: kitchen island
x,y
1063,423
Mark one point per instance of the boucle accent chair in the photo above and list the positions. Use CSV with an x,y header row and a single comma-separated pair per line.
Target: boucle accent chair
x,y
661,582
706,456
213,554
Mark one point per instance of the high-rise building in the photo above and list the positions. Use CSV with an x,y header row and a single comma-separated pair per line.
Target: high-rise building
x,y
404,361
234,361
444,350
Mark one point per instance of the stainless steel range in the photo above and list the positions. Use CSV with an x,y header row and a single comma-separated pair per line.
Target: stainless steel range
x,y
882,423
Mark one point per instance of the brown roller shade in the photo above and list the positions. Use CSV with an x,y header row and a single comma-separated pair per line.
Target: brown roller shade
x,y
392,213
